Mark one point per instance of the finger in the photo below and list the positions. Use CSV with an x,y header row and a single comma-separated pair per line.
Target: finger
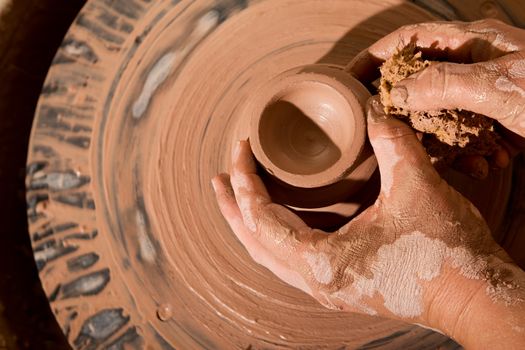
x,y
481,88
229,209
249,189
276,227
500,158
244,171
475,166
454,41
513,142
228,206
365,67
402,160
509,147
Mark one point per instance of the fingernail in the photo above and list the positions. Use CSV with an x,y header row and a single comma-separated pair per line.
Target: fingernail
x,y
378,108
399,96
376,112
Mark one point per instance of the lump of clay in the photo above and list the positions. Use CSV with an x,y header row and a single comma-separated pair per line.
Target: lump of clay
x,y
447,134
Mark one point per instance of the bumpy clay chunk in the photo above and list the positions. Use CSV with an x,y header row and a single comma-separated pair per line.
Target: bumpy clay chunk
x,y
447,134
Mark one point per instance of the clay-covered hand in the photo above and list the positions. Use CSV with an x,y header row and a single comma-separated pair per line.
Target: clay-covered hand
x,y
418,254
484,73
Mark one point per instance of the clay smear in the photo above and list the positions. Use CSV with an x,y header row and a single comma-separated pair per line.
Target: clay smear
x,y
400,268
248,211
517,69
499,39
320,265
164,66
387,167
505,85
501,42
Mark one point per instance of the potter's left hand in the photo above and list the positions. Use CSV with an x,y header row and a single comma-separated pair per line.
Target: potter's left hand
x,y
422,253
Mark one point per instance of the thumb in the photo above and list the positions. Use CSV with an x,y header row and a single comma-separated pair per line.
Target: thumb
x,y
482,88
401,158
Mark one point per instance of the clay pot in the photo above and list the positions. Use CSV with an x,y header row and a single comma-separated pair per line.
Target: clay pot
x,y
308,131
308,125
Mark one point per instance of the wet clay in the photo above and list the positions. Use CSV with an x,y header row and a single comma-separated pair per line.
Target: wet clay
x,y
308,125
308,131
447,134
142,106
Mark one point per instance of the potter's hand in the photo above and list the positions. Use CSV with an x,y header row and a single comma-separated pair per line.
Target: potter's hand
x,y
422,253
493,83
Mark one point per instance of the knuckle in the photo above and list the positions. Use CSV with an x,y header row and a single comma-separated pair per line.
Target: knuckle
x,y
434,73
488,22
428,26
434,79
447,78
409,28
485,25
438,69
443,68
393,133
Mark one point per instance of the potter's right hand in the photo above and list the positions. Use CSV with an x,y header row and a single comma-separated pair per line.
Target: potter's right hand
x,y
492,83
422,253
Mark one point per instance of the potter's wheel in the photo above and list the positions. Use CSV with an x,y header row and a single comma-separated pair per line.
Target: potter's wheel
x,y
139,111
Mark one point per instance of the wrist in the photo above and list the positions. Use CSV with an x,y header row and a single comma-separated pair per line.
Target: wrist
x,y
449,301
487,312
